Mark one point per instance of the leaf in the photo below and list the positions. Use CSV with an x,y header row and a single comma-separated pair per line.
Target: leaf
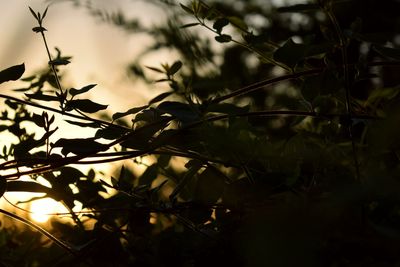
x,y
39,29
131,111
110,133
59,61
223,38
33,13
299,8
12,73
220,23
85,105
79,146
40,96
3,186
141,137
149,175
38,120
174,68
290,53
193,167
393,53
209,187
84,89
187,9
155,69
189,25
45,12
160,97
181,111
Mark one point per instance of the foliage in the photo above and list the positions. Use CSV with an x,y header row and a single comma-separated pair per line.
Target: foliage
x,y
301,169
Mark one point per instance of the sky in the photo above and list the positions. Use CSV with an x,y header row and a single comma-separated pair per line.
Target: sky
x,y
101,52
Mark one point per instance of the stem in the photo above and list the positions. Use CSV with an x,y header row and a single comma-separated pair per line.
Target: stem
x,y
343,46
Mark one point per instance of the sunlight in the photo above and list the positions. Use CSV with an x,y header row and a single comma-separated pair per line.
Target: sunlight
x,y
43,207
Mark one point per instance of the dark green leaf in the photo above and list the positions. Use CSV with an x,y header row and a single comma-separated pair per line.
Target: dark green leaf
x,y
220,23
79,146
84,89
12,73
131,111
85,105
160,97
223,38
238,23
299,8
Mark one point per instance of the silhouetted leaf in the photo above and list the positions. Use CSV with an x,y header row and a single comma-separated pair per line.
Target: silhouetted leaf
x,y
183,112
227,108
39,29
190,25
238,23
79,146
3,186
84,89
290,53
174,68
223,38
131,111
84,124
59,61
187,9
220,23
110,133
12,73
40,96
193,167
155,69
160,97
149,175
85,105
34,14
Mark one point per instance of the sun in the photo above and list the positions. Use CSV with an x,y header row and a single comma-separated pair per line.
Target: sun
x,y
42,209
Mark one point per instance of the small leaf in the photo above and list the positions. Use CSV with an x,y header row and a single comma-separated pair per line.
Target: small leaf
x,y
110,133
45,12
160,97
238,23
84,89
189,25
33,13
131,111
220,23
12,73
84,124
174,68
193,167
38,120
85,105
39,29
59,61
155,69
223,38
187,9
